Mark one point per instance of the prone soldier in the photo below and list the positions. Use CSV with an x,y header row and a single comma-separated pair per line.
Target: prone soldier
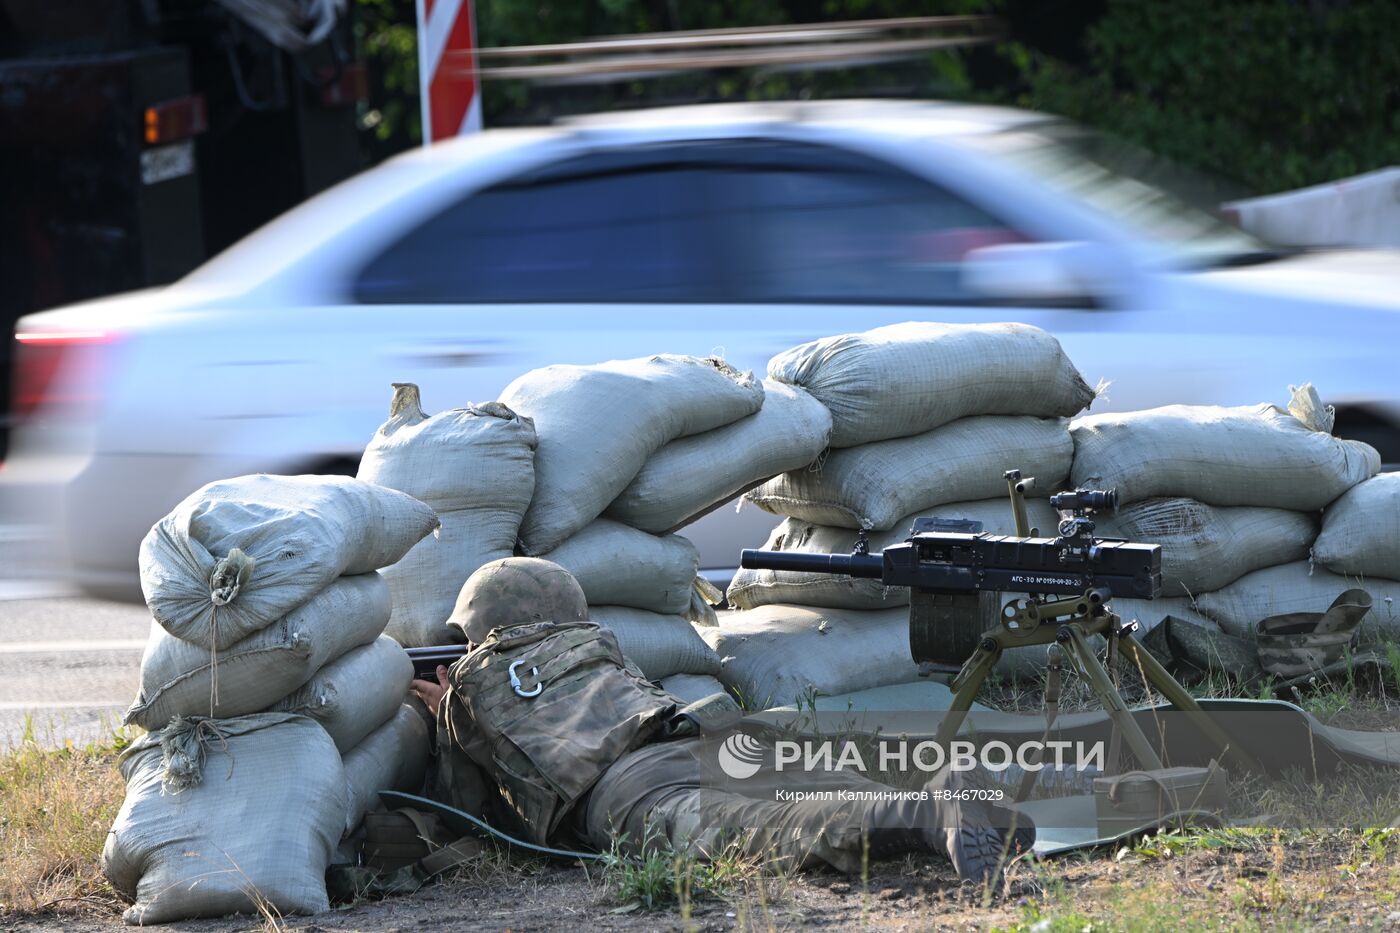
x,y
545,730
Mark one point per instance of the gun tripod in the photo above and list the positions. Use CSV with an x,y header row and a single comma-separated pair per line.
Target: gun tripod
x,y
1067,625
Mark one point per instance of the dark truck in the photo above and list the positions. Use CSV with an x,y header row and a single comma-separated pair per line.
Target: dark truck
x,y
139,137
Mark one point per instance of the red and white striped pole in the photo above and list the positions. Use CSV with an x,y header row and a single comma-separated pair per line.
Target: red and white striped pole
x,y
450,93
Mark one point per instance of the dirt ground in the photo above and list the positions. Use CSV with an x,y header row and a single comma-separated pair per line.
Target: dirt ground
x,y
1242,880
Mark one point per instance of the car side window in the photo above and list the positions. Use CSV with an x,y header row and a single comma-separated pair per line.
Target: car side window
x,y
643,233
857,232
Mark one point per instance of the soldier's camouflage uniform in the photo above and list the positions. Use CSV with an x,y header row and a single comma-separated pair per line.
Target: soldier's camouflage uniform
x,y
618,757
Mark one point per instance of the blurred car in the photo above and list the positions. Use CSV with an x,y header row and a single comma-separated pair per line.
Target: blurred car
x,y
732,229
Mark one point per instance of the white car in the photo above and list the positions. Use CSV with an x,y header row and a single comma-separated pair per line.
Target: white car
x,y
733,229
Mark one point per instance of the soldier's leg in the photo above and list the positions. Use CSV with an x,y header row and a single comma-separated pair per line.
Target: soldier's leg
x,y
666,794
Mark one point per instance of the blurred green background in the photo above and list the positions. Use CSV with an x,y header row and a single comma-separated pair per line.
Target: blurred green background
x,y
1270,94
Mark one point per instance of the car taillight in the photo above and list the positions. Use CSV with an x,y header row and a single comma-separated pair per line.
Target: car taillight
x,y
57,370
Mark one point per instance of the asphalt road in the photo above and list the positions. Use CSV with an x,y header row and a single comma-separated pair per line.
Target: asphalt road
x,y
69,666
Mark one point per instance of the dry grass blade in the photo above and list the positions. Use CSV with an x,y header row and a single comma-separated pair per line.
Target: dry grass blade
x,y
56,806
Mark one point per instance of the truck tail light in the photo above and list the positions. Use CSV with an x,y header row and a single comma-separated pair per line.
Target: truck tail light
x,y
59,371
176,119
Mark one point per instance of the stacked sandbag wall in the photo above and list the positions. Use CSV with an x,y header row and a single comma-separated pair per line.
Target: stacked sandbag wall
x,y
474,467
629,452
1236,497
266,648
927,418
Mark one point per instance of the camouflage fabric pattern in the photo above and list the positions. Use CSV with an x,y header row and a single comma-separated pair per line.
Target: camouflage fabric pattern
x,y
517,591
670,795
576,710
1301,643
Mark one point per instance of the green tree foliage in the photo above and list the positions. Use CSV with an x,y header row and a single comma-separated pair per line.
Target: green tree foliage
x,y
1276,94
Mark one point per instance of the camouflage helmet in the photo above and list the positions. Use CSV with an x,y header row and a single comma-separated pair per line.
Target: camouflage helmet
x,y
517,591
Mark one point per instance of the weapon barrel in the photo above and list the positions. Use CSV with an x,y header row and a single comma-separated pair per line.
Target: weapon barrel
x,y
425,660
855,565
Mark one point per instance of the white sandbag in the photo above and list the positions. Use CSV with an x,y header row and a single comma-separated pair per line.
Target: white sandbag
x,y
689,476
597,426
240,554
1260,455
691,688
1148,613
621,566
661,645
779,655
243,813
475,467
1205,547
750,589
910,378
353,694
392,757
876,485
1361,530
183,679
1288,588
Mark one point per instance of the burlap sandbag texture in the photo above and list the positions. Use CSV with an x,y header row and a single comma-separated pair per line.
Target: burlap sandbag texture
x,y
355,693
1361,530
1300,587
392,757
621,566
1260,455
780,655
475,467
688,476
183,679
692,688
241,553
660,645
597,425
876,485
753,588
1206,547
252,823
910,378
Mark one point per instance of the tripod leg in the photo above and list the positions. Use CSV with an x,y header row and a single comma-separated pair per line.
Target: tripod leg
x,y
965,687
1177,696
1113,704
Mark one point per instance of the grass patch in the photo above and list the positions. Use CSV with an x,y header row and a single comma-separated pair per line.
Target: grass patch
x,y
56,806
662,877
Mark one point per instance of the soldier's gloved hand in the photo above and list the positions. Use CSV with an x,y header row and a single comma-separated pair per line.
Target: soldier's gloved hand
x,y
431,694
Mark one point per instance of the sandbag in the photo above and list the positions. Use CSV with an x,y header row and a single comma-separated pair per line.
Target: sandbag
x,y
597,426
183,679
1148,613
621,566
353,694
240,813
475,467
876,485
1260,455
687,477
392,757
750,589
779,655
1290,588
1205,547
692,688
910,378
239,554
660,645
1361,530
